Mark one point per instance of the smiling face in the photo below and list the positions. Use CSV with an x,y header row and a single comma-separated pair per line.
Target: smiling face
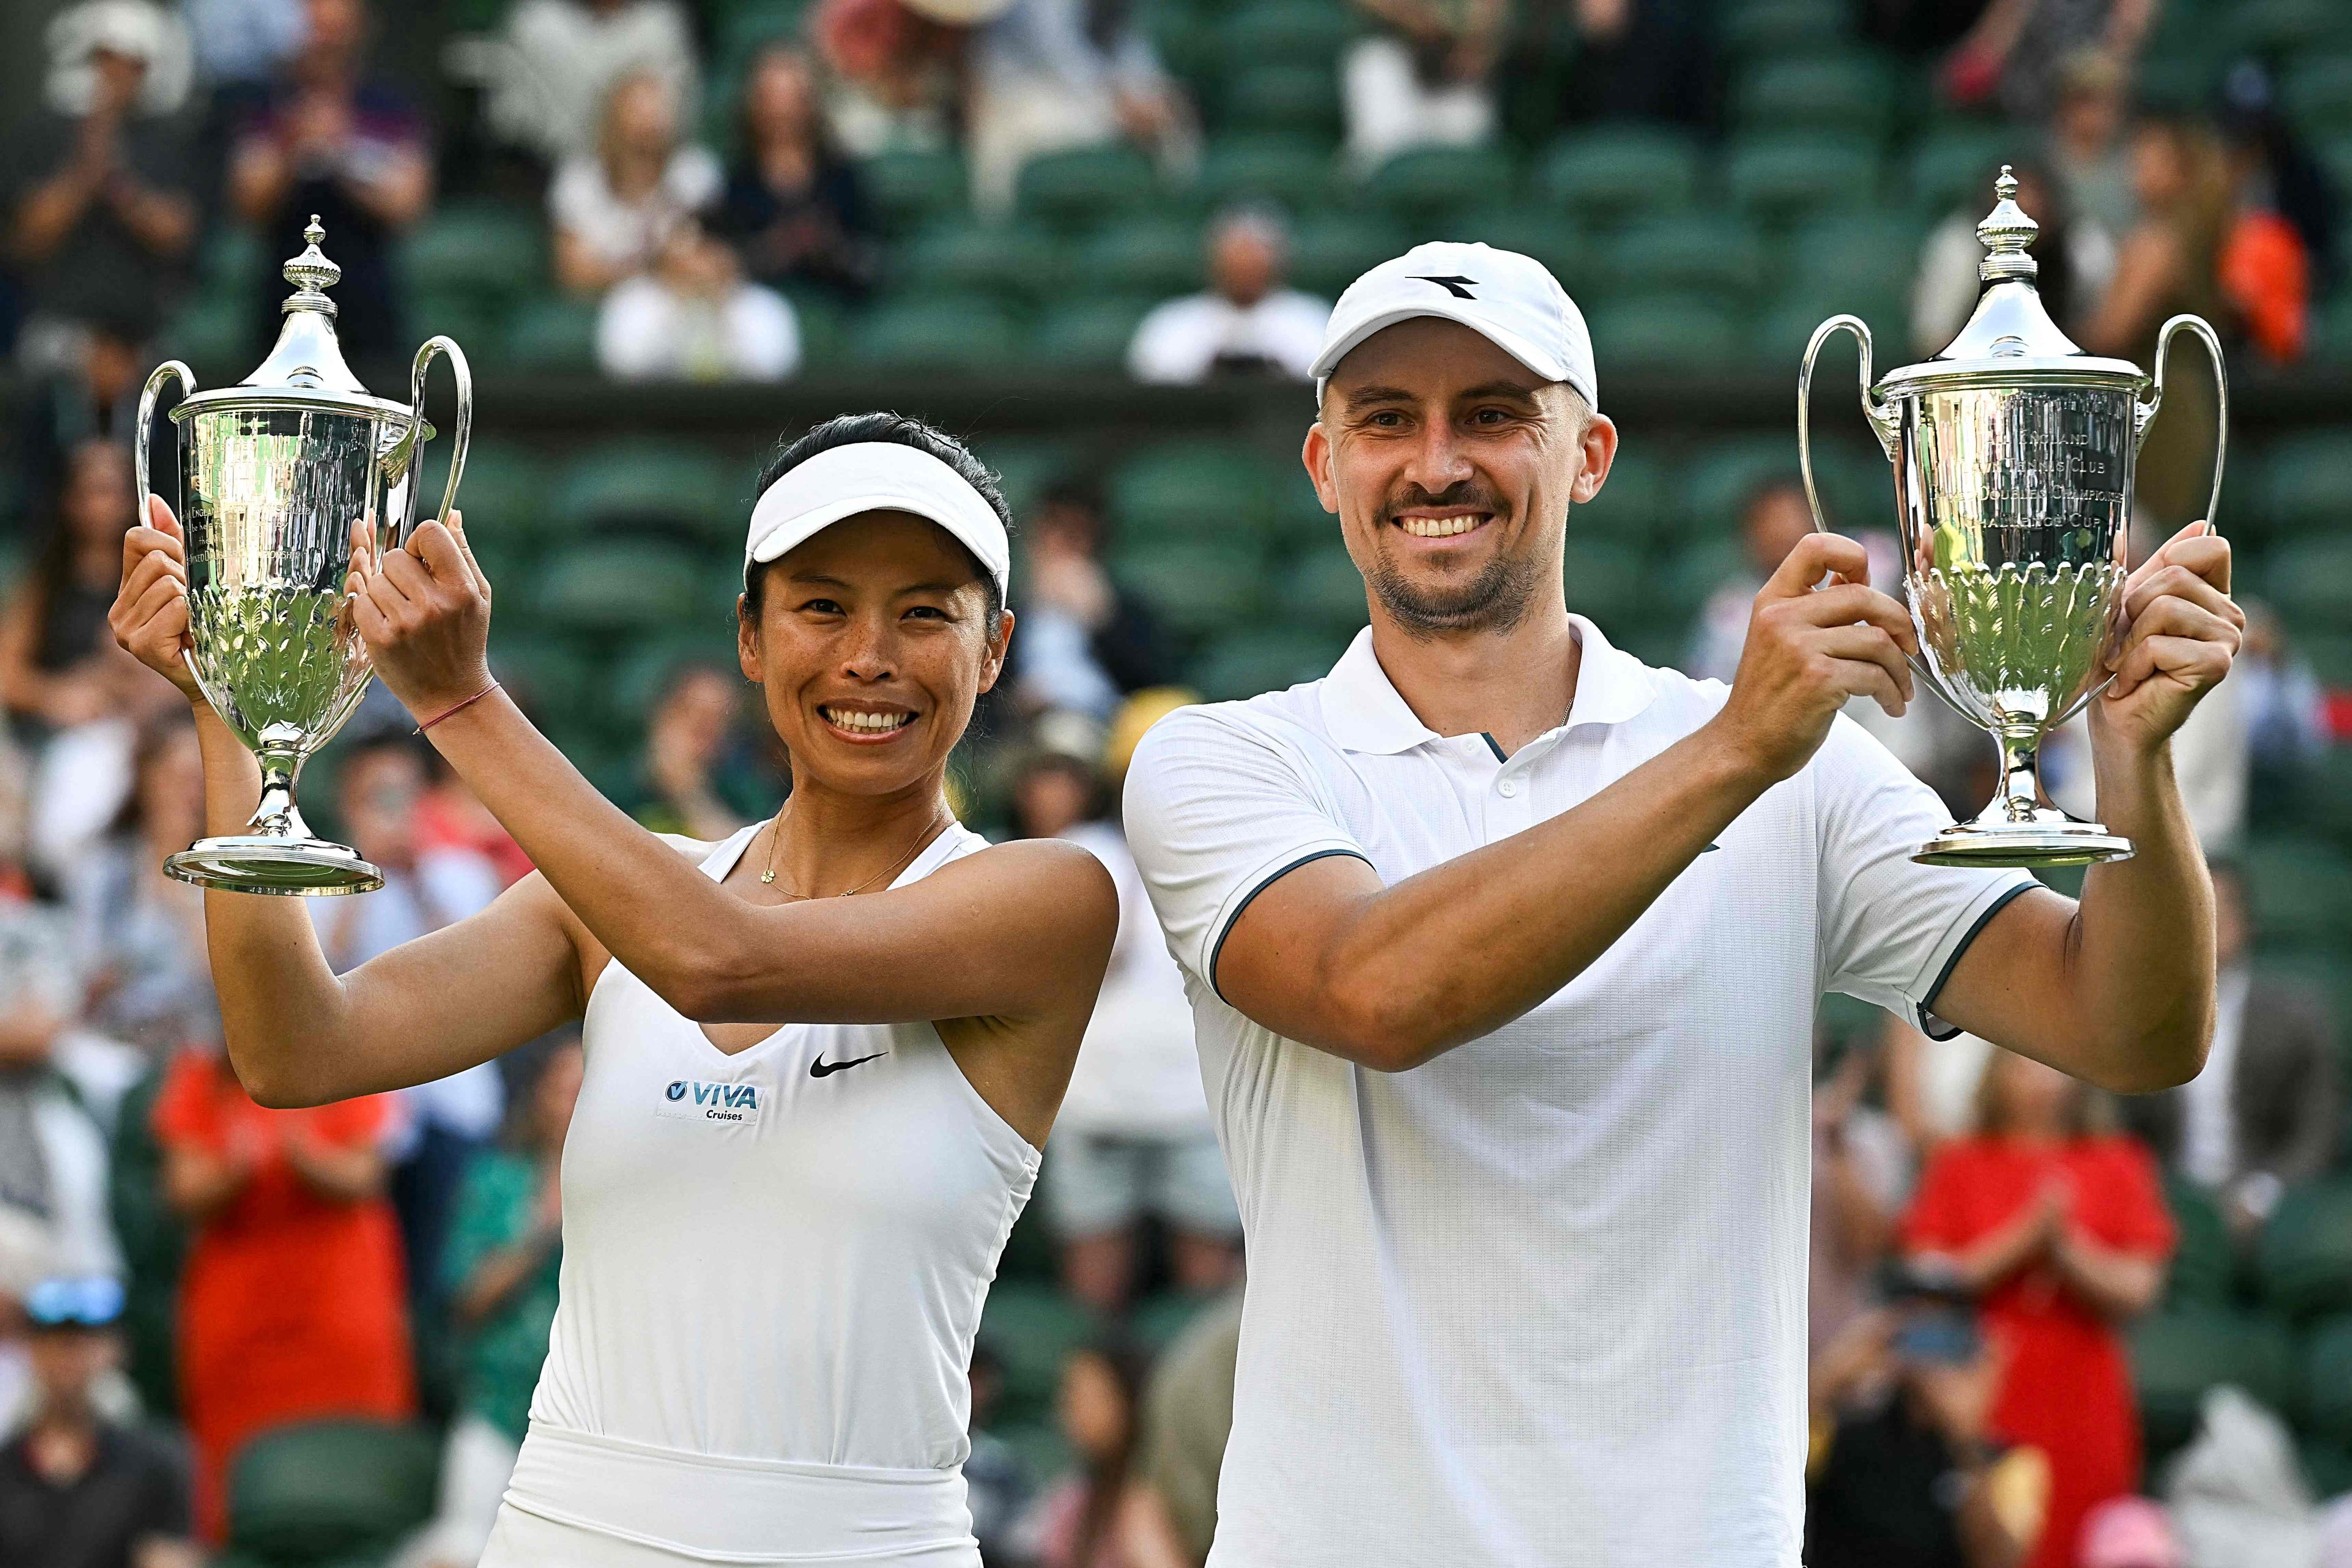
x,y
871,643
1451,466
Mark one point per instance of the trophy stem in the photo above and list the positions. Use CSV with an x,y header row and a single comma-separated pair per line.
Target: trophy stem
x,y
277,853
2020,827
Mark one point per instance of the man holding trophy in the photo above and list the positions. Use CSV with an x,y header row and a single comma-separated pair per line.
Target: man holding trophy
x,y
1504,948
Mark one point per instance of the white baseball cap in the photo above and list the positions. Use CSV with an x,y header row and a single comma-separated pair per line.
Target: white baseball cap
x,y
876,476
1510,300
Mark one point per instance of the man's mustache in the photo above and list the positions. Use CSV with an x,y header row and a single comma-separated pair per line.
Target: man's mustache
x,y
1468,494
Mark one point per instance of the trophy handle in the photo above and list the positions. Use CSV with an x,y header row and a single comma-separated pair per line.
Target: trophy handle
x,y
165,372
1881,418
461,435
2144,414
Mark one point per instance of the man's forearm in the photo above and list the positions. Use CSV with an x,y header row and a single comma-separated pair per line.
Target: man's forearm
x,y
1493,933
2141,956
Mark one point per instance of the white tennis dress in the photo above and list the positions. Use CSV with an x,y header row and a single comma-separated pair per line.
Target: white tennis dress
x,y
773,1266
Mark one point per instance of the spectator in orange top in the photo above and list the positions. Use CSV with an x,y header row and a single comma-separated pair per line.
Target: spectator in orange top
x,y
291,1300
2061,1234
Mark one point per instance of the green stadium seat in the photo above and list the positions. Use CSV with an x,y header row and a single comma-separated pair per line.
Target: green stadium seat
x,y
1089,334
1287,32
1297,99
620,586
936,334
1186,39
2307,486
647,484
1954,167
329,1489
1086,186
1685,333
1633,508
214,333
493,250
154,1239
1758,27
502,492
1699,253
231,261
1025,466
474,320
2204,1267
2176,83
560,686
2328,1381
1193,493
2305,1259
1293,173
2178,1355
1011,261
823,318
1666,332
909,189
553,336
1849,95
1786,323
1032,1328
1856,254
1198,588
1329,250
2328,1466
1693,569
746,26
1153,257
1297,521
1551,237
1781,176
1605,580
1428,187
1322,589
2310,581
2318,94
1159,1318
2286,29
1245,663
1606,175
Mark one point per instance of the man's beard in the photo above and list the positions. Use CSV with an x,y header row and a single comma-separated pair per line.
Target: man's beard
x,y
1496,598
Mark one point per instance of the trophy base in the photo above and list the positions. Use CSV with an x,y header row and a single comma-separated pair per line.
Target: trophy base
x,y
265,864
2050,838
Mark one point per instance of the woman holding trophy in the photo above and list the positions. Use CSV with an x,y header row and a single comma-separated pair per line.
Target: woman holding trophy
x,y
821,1055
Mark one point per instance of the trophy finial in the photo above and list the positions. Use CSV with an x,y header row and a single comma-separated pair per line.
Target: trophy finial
x,y
2005,233
311,273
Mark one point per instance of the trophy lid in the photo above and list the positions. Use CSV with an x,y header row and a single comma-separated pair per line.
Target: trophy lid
x,y
2010,338
305,367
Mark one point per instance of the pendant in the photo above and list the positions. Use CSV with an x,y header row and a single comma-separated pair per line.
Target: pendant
x,y
767,876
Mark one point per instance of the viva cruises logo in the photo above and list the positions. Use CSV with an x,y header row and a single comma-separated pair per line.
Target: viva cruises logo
x,y
736,1103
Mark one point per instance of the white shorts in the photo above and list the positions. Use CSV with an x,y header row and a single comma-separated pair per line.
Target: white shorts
x,y
523,1540
1095,1182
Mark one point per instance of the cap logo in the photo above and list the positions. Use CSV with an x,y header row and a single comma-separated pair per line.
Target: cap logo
x,y
1455,285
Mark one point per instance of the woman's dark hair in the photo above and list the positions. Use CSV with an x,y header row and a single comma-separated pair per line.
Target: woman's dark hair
x,y
849,430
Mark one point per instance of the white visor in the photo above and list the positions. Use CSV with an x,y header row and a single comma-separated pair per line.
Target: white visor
x,y
877,476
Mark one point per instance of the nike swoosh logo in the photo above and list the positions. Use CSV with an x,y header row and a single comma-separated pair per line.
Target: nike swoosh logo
x,y
820,1068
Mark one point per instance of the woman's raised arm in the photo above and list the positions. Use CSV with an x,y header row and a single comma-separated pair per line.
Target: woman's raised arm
x,y
297,1034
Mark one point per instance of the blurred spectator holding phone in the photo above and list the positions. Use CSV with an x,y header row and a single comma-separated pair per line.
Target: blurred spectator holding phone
x,y
56,651
2262,1116
1086,642
80,1489
795,208
349,148
692,317
1076,1521
1902,1466
2016,49
2058,1233
614,208
688,736
1047,76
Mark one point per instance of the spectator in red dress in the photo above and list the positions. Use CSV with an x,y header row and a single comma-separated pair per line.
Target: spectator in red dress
x,y
291,1304
2061,1233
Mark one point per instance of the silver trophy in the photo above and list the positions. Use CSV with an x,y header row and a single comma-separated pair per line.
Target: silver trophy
x,y
2013,453
274,473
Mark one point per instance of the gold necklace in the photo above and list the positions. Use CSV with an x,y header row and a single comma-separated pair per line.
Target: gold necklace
x,y
775,836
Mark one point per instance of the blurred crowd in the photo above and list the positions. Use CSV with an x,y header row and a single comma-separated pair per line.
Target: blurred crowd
x,y
704,174
2031,1304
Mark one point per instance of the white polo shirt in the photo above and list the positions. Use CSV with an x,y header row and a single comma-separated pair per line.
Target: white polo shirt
x,y
1542,1299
